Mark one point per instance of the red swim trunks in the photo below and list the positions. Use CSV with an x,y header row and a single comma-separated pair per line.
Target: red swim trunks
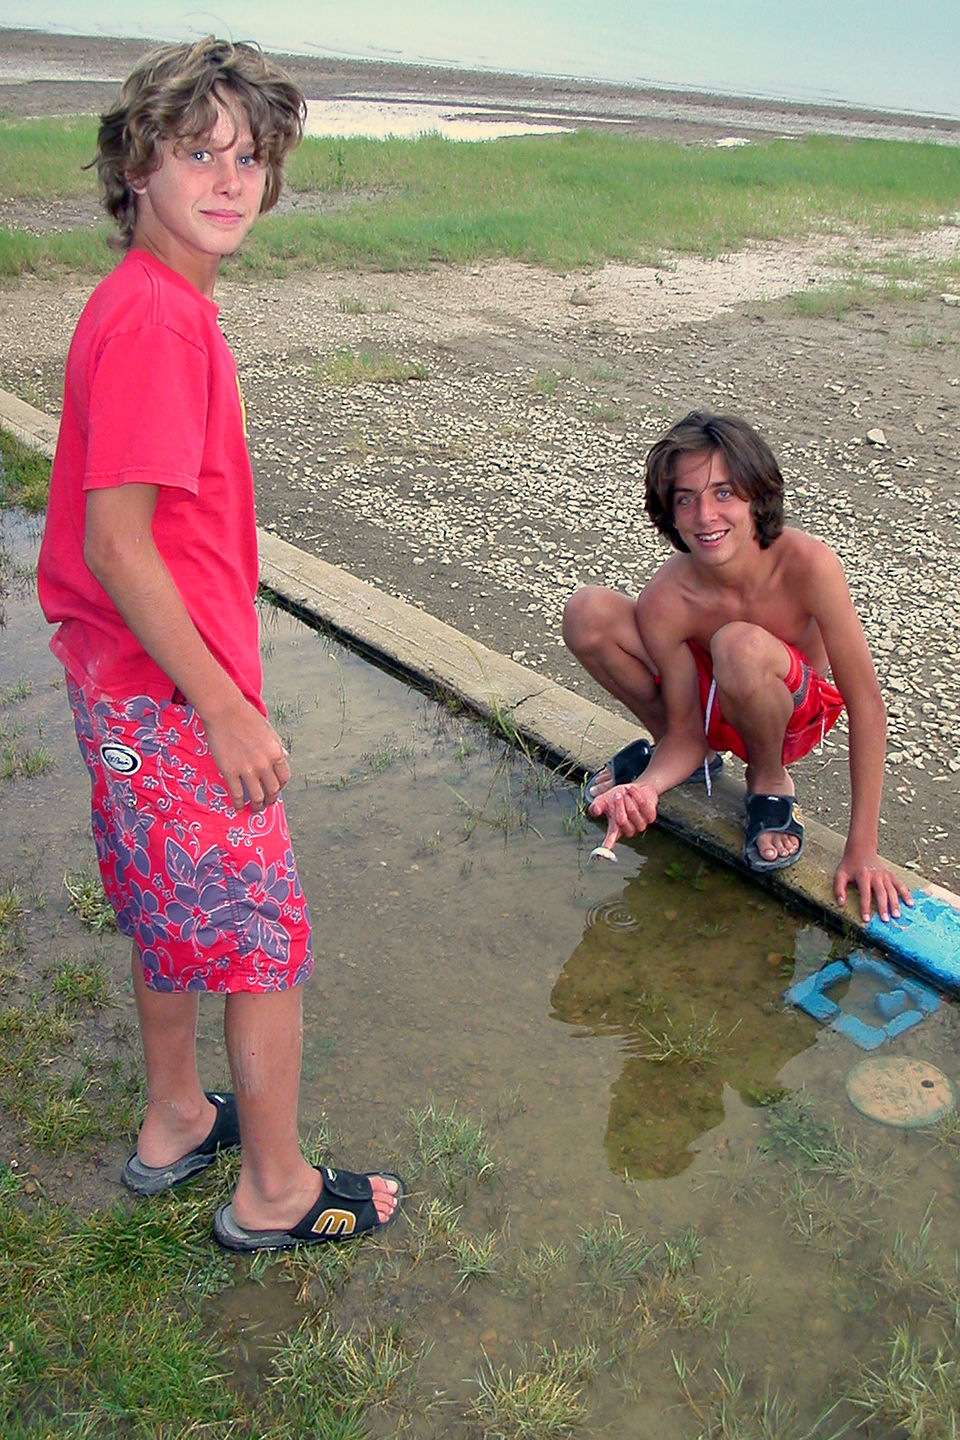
x,y
209,894
816,708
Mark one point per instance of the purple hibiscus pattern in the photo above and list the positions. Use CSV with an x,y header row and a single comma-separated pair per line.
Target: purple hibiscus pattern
x,y
210,894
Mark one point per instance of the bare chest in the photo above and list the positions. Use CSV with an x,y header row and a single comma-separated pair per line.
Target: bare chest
x,y
773,609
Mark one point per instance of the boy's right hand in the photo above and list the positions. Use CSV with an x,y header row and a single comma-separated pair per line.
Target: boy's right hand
x,y
249,754
628,809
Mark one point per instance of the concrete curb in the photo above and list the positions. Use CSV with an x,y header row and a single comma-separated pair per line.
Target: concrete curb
x,y
572,732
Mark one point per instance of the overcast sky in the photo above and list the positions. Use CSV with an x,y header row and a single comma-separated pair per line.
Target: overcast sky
x,y
885,54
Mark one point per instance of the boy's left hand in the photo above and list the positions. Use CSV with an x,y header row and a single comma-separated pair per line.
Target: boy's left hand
x,y
874,881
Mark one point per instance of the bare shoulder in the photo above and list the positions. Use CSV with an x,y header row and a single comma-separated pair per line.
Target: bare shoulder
x,y
670,611
665,597
804,557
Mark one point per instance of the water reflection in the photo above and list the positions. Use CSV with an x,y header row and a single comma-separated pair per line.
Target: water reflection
x,y
687,967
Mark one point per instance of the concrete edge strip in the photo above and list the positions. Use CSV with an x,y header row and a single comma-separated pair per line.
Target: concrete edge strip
x,y
575,733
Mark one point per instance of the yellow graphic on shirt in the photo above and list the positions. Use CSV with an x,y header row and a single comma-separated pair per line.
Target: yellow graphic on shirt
x,y
243,408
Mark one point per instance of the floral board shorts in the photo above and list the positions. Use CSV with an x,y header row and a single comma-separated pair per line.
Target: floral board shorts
x,y
209,894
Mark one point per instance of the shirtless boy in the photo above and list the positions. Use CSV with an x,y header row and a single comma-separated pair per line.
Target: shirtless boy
x,y
728,648
149,567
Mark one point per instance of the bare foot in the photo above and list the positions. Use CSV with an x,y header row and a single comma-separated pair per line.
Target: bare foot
x,y
385,1197
170,1130
773,845
256,1213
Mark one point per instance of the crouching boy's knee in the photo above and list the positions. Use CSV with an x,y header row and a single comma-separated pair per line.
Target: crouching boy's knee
x,y
587,618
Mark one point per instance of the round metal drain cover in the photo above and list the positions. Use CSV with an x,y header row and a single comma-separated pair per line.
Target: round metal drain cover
x,y
899,1091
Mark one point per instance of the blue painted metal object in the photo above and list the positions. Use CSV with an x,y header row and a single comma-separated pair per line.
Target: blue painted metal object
x,y
899,1005
925,940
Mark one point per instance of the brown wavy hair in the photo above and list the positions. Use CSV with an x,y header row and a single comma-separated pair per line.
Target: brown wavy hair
x,y
173,95
751,465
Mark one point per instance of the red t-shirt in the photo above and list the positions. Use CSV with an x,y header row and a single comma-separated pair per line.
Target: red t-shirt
x,y
152,397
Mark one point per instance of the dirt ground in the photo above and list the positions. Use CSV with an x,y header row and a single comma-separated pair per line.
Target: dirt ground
x,y
507,475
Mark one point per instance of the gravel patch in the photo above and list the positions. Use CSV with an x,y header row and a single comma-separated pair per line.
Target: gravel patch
x,y
509,474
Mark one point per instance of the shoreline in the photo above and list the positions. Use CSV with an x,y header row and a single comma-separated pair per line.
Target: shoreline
x,y
34,64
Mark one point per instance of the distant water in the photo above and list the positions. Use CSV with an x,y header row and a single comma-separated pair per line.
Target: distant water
x,y
881,54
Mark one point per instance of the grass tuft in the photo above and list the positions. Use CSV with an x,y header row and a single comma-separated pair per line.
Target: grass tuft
x,y
453,1144
24,476
535,1403
87,899
368,366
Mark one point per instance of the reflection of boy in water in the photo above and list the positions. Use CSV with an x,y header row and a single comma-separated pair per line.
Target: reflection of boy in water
x,y
700,981
728,648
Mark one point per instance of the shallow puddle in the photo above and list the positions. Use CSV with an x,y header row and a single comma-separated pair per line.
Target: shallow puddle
x,y
612,1037
464,934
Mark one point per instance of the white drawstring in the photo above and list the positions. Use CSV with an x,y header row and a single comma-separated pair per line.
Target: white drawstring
x,y
706,730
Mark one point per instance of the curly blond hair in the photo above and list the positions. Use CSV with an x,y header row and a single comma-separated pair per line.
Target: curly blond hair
x,y
173,94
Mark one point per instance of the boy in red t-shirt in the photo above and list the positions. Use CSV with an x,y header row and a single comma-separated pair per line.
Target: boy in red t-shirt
x,y
149,565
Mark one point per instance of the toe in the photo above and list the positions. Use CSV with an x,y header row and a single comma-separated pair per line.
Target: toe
x,y
385,1197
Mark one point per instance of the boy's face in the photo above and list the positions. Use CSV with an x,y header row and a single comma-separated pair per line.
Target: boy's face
x,y
202,201
712,520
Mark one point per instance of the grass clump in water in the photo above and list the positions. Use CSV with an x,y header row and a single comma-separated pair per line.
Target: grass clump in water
x,y
452,1144
611,1257
340,1373
914,1391
697,1044
536,1403
24,476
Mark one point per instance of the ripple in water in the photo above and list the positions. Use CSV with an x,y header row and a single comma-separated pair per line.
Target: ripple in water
x,y
614,913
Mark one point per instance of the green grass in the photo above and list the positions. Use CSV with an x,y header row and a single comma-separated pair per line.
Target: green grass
x,y
367,366
24,476
452,1144
45,158
560,201
18,759
537,1403
578,199
107,1346
87,899
914,1390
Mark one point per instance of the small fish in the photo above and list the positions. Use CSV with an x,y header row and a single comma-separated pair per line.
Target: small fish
x,y
601,852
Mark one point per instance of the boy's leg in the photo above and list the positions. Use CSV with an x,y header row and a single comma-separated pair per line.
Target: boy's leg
x,y
276,1186
750,667
179,1115
600,628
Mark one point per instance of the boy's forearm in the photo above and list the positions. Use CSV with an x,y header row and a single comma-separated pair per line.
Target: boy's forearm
x,y
675,758
138,582
867,750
